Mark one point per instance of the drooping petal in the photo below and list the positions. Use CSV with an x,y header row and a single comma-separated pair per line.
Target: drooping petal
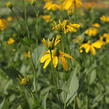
x,y
98,44
55,61
64,63
92,50
47,63
44,42
67,4
47,52
44,58
87,49
49,43
83,45
66,55
57,41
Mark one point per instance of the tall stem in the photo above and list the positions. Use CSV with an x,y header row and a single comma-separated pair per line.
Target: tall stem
x,y
26,19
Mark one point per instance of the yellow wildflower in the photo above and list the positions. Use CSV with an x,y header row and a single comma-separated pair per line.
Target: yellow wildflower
x,y
9,18
10,41
104,18
91,47
9,4
97,25
51,6
105,38
60,25
23,80
67,4
92,31
55,56
33,2
78,39
3,24
47,18
71,4
71,28
50,44
27,54
65,26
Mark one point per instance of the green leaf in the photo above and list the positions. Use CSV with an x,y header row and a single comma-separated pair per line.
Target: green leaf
x,y
44,101
4,104
72,89
92,77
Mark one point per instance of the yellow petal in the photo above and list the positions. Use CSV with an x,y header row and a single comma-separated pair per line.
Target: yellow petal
x,y
49,43
92,50
64,63
67,4
57,42
47,52
66,55
44,58
44,42
55,61
75,25
98,44
47,63
87,49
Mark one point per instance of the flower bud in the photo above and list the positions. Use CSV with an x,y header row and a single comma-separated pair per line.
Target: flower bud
x,y
33,2
9,5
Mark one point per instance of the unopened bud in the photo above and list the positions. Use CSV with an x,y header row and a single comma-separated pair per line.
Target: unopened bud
x,y
33,2
9,5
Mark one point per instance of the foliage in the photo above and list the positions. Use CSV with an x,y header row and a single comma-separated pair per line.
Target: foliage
x,y
76,76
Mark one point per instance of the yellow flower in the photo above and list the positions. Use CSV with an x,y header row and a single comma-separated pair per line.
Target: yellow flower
x,y
3,24
67,4
78,39
104,18
27,54
71,28
55,56
9,4
71,4
9,18
97,25
51,6
47,18
92,31
33,2
23,80
65,26
62,4
50,44
60,25
10,41
105,38
91,47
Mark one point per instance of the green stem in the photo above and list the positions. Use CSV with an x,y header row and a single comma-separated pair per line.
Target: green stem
x,y
34,71
26,19
52,76
64,105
